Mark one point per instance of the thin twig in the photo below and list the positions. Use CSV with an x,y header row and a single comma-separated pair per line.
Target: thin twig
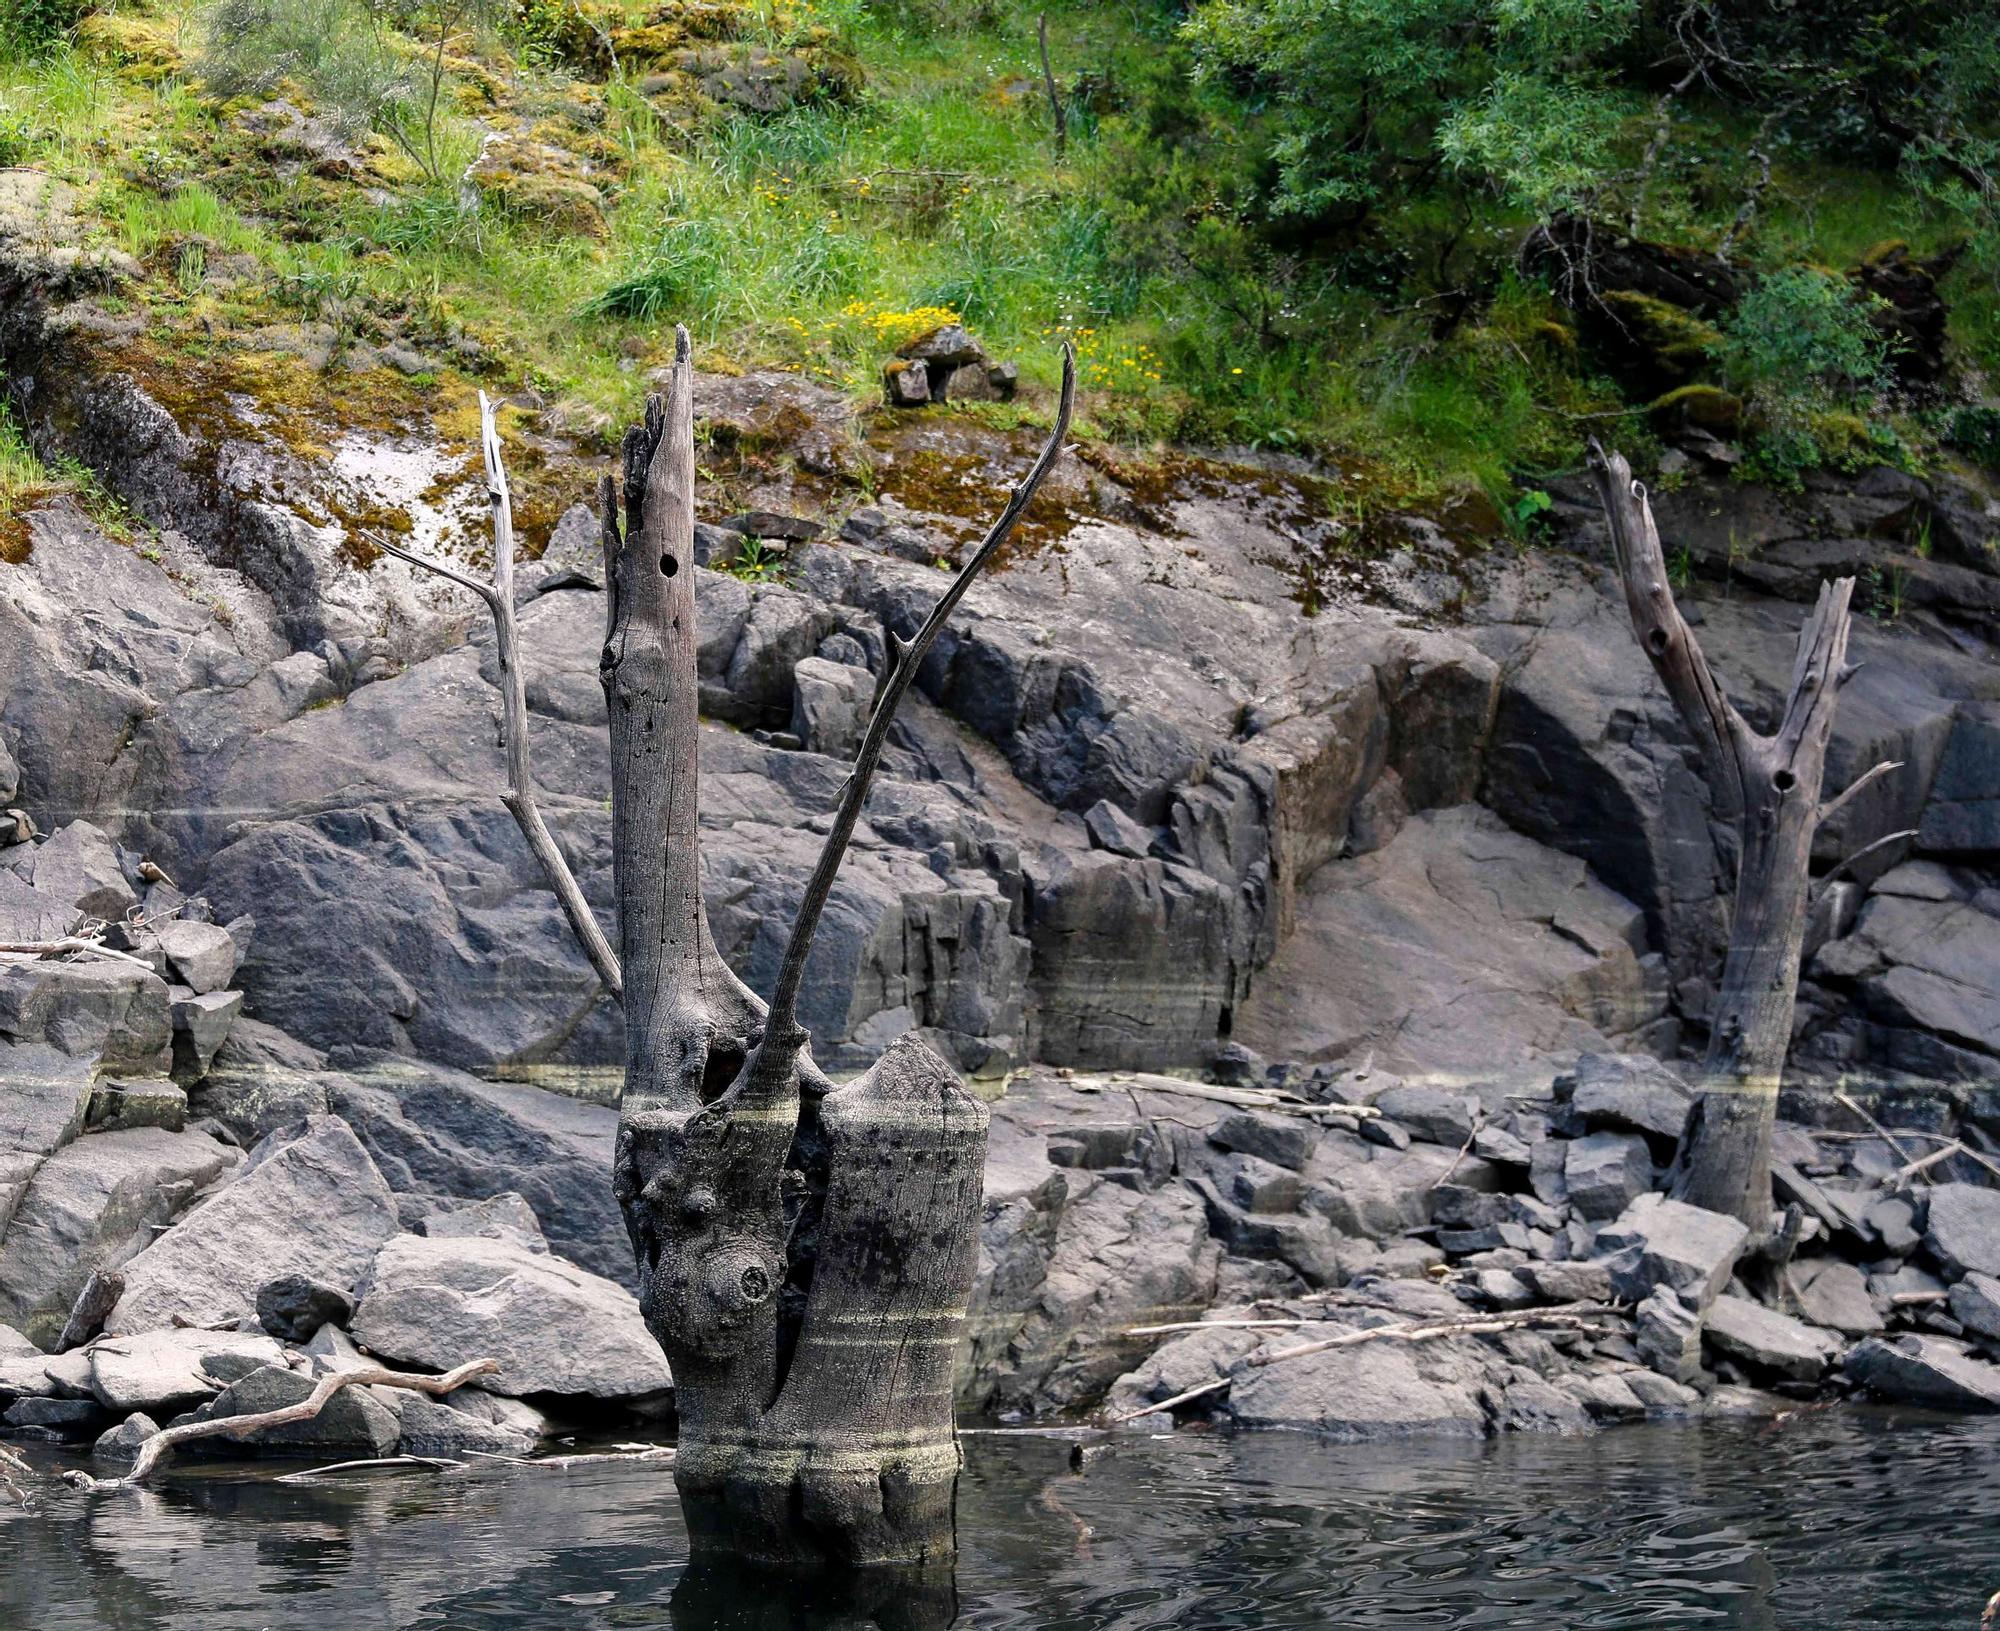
x,y
168,1438
1840,801
1865,851
1875,1126
562,1463
1922,1165
1464,1150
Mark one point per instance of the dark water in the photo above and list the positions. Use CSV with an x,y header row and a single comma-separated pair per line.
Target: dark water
x,y
1834,1520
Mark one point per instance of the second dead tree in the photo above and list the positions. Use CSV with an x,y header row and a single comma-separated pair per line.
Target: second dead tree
x,y
1768,788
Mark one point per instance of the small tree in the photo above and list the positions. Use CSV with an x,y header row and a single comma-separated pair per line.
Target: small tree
x,y
805,1251
1768,789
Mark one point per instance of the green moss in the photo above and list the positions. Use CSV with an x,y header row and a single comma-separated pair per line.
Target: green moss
x,y
1675,343
1703,407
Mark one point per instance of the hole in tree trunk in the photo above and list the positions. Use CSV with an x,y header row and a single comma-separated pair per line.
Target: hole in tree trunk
x,y
668,566
1656,640
1784,781
723,1066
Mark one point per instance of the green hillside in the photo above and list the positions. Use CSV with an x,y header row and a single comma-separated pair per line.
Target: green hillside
x,y
1303,226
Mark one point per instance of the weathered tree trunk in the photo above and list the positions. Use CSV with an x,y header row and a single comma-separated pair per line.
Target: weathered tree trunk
x,y
805,1251
1768,789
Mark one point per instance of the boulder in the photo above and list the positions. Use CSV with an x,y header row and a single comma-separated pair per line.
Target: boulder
x,y
1925,1370
499,1217
1628,1093
1834,1294
1658,1242
441,1427
77,865
147,1102
44,1097
201,1025
113,1013
1975,1304
1667,1334
119,1446
553,1328
1286,1141
90,1206
202,954
1604,1173
1432,1113
1768,1341
1371,1391
353,1421
443,1138
294,1306
166,1372
1962,1229
830,705
308,1202
1569,1282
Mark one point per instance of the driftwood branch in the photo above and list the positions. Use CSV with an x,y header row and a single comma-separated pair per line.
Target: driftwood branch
x,y
433,1463
169,1438
1056,108
520,795
1570,1317
68,945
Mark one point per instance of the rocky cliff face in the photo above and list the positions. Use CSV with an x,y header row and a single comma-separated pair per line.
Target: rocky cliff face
x,y
1203,768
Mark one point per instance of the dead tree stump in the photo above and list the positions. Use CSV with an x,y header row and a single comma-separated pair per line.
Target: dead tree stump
x,y
1767,788
805,1251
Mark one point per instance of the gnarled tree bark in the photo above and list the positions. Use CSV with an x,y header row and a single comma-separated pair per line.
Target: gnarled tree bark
x,y
1767,788
805,1251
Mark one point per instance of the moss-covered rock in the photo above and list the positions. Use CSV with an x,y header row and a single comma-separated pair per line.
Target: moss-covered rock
x,y
143,50
1697,407
1664,340
539,182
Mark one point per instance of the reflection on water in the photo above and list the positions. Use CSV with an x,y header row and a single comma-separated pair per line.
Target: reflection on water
x,y
1836,1520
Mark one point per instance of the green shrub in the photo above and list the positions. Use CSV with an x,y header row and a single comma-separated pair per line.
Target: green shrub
x,y
32,27
1803,351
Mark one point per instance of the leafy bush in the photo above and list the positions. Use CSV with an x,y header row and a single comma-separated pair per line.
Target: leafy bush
x,y
32,27
336,50
1802,349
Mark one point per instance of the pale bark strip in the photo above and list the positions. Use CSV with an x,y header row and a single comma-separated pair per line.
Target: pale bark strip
x,y
169,1438
520,795
1769,789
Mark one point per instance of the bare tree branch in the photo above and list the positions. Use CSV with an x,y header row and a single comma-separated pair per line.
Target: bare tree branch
x,y
904,659
1719,730
311,1405
1833,806
520,795
1867,850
